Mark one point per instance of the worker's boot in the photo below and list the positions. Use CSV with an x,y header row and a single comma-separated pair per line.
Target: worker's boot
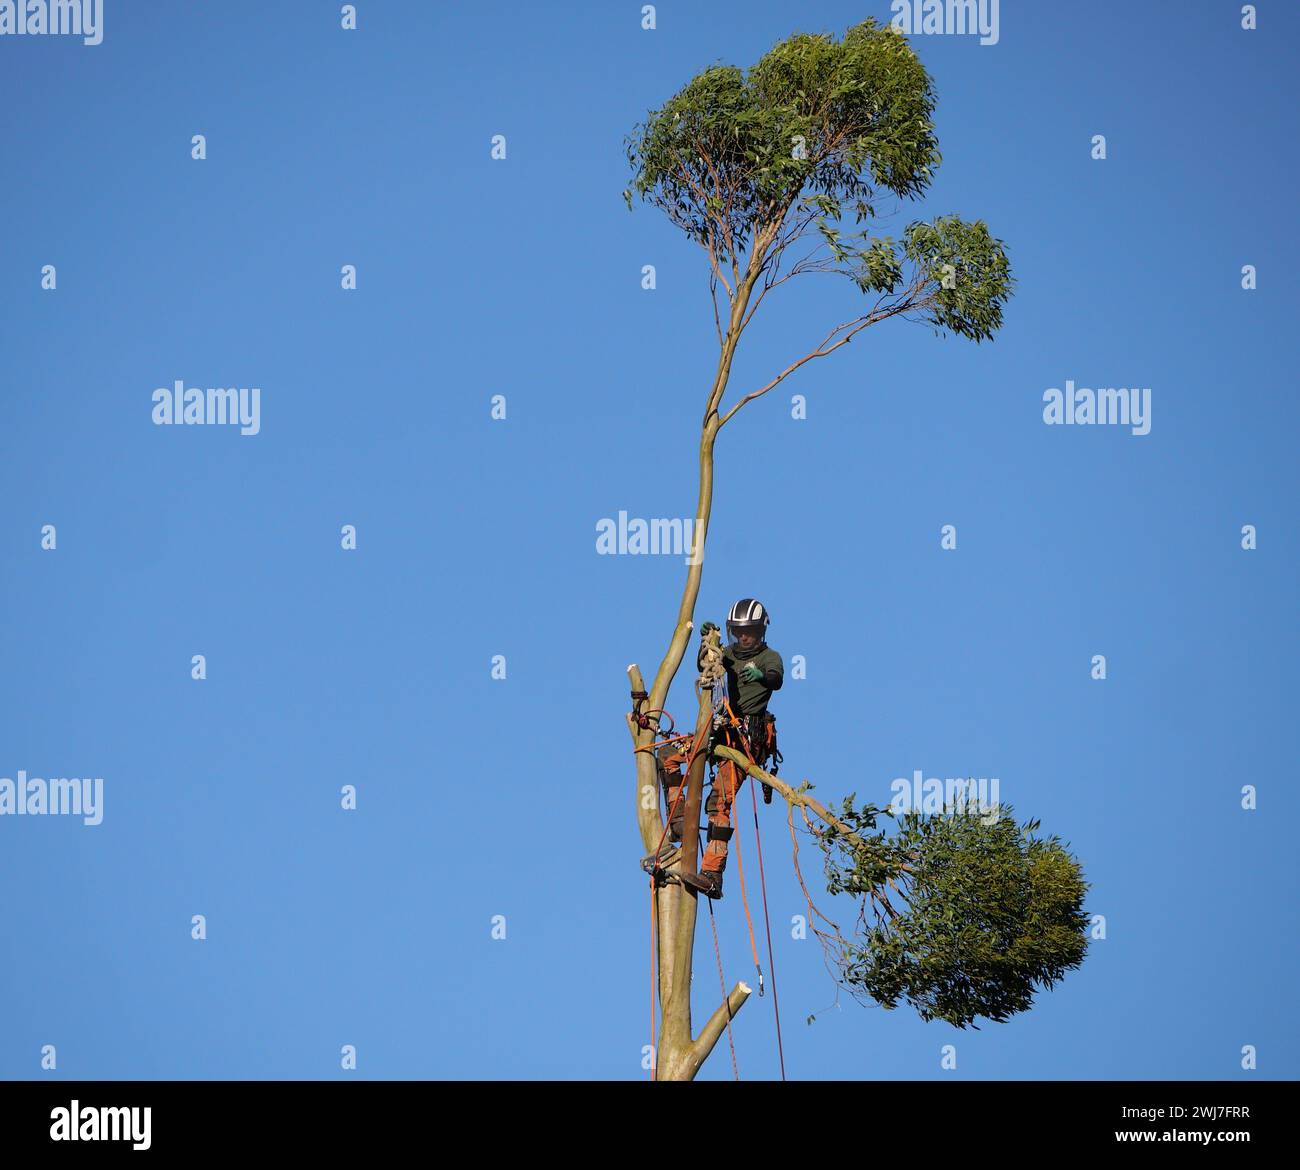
x,y
709,880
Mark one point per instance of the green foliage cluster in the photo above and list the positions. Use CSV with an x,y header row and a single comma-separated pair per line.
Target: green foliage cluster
x,y
972,912
819,128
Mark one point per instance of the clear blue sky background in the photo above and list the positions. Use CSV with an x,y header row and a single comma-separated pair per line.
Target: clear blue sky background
x,y
477,538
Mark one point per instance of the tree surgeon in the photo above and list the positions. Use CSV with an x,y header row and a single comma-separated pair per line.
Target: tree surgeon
x,y
754,670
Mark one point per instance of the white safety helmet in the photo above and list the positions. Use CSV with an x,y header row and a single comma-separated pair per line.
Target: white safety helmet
x,y
747,616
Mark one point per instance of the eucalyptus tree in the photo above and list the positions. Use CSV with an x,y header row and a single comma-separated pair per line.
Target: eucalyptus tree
x,y
777,172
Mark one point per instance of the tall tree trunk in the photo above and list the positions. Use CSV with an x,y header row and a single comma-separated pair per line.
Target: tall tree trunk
x,y
679,1054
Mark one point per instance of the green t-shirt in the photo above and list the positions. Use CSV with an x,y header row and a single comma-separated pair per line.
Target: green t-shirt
x,y
750,698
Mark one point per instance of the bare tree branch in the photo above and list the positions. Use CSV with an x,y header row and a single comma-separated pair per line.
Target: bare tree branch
x,y
800,798
713,296
849,329
716,1024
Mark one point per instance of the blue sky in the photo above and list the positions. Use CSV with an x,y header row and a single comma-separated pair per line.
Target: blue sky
x,y
480,797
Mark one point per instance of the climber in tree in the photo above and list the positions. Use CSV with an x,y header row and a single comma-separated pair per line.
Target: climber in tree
x,y
754,671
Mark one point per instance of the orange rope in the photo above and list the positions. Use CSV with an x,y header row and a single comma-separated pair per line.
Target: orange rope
x,y
660,743
771,959
744,898
681,792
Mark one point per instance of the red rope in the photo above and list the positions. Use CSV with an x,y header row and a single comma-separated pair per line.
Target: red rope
x,y
771,960
722,982
744,898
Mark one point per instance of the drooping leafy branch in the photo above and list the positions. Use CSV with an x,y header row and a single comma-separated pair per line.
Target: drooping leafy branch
x,y
989,913
963,914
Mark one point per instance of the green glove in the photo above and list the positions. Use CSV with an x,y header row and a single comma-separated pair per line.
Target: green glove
x,y
751,673
707,629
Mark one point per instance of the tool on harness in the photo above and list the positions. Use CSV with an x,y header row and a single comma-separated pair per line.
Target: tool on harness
x,y
759,732
772,753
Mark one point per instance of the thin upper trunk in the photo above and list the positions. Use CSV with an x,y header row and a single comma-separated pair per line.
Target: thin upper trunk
x,y
680,1054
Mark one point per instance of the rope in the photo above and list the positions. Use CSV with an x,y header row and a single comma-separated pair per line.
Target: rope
x,y
660,743
654,981
722,982
771,959
712,668
702,739
744,898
